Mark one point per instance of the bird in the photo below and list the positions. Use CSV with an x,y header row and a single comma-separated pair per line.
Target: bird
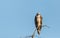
x,y
38,22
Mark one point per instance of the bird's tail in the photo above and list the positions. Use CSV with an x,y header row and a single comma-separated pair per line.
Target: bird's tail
x,y
38,30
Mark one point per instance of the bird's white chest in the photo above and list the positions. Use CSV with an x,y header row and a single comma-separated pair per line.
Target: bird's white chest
x,y
38,19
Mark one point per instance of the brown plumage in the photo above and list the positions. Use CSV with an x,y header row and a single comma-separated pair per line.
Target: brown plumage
x,y
38,22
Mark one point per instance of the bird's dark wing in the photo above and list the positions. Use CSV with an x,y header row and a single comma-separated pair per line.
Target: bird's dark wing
x,y
36,21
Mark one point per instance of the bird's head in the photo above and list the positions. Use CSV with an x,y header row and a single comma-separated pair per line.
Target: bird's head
x,y
38,13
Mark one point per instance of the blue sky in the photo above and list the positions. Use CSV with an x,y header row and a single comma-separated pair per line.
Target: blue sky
x,y
17,18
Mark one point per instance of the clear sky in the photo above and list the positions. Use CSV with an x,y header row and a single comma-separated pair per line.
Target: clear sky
x,y
17,18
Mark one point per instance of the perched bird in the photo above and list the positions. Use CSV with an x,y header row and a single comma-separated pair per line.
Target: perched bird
x,y
38,22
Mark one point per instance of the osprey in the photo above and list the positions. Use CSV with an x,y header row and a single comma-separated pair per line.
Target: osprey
x,y
38,22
